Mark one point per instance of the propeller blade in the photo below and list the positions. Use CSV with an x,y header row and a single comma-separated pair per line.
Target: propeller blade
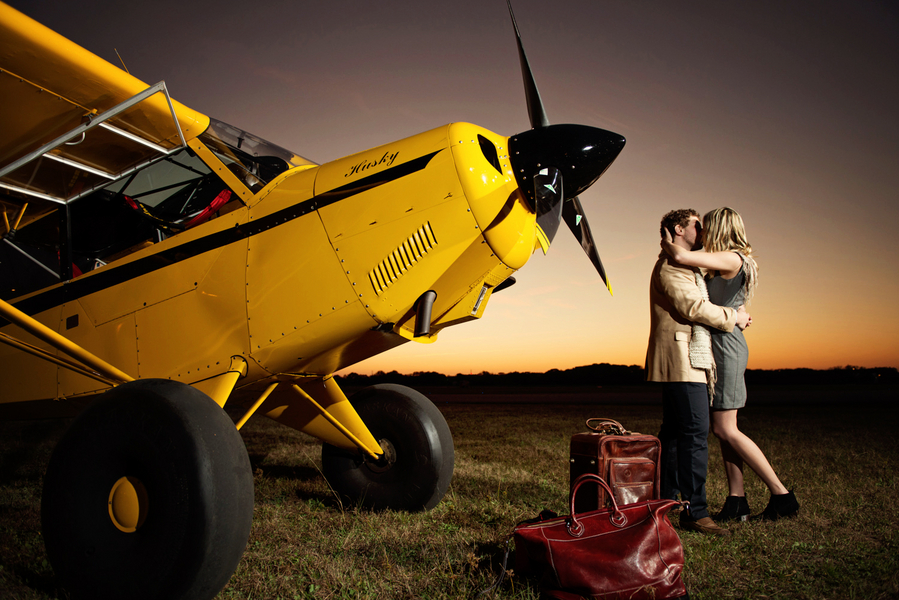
x,y
536,113
549,197
573,214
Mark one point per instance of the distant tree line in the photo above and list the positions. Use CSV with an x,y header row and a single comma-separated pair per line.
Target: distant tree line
x,y
606,374
837,375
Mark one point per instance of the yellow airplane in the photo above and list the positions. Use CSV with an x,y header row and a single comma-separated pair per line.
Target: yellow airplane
x,y
156,264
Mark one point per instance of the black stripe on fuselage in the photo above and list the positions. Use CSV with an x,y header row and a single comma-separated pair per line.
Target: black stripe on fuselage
x,y
78,288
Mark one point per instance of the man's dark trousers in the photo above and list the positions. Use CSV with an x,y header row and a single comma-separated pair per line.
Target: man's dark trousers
x,y
685,450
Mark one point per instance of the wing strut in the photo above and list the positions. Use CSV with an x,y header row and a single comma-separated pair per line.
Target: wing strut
x,y
94,366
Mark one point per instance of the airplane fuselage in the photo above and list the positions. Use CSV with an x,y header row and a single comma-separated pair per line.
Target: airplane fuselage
x,y
318,270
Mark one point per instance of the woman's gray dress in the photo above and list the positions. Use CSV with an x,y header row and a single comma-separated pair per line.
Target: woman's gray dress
x,y
730,349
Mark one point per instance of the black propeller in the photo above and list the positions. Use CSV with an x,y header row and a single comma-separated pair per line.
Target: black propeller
x,y
555,163
531,93
573,213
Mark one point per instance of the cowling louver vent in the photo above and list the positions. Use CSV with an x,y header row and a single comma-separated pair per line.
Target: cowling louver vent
x,y
403,258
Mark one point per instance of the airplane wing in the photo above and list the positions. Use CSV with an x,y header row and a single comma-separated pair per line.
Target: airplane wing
x,y
72,121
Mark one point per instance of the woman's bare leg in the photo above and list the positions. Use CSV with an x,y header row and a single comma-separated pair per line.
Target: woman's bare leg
x,y
733,469
744,450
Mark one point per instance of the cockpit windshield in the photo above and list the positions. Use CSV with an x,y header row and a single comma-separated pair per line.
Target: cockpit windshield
x,y
255,161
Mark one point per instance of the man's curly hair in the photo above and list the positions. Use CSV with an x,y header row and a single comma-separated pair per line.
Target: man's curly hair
x,y
680,217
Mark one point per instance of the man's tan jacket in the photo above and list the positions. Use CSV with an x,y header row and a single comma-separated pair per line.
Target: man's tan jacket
x,y
675,303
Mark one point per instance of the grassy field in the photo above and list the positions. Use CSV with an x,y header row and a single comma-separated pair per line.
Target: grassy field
x,y
842,460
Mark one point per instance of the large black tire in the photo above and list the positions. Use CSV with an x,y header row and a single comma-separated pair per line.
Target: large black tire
x,y
419,447
189,458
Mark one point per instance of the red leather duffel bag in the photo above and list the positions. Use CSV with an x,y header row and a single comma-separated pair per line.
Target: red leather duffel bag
x,y
619,552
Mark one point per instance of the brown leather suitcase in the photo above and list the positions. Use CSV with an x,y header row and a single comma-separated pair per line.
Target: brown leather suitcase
x,y
627,460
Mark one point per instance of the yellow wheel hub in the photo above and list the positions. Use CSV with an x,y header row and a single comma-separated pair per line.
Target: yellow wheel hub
x,y
128,504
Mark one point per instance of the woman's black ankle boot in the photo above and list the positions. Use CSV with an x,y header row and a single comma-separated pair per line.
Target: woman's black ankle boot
x,y
780,506
735,508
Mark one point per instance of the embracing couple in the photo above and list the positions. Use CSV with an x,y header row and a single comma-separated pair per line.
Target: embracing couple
x,y
704,276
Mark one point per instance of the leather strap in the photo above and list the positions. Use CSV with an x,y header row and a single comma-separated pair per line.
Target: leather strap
x,y
607,426
617,518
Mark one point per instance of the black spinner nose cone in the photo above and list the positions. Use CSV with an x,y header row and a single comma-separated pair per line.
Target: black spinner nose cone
x,y
580,152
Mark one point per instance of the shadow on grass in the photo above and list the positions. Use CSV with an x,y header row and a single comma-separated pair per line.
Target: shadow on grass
x,y
282,472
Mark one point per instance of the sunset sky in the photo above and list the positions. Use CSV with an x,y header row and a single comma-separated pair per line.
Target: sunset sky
x,y
785,111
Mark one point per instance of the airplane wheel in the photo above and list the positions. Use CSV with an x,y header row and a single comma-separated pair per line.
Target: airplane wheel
x,y
148,495
419,454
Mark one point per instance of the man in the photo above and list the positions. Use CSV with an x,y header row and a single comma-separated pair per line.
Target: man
x,y
676,301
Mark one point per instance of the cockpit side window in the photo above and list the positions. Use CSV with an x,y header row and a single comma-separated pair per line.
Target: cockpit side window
x,y
175,193
167,197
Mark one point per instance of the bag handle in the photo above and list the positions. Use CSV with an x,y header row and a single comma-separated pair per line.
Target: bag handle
x,y
617,518
607,426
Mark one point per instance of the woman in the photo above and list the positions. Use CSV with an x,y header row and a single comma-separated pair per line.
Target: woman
x,y
732,277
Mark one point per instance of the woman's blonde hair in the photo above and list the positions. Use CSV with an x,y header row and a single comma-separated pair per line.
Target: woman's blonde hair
x,y
723,231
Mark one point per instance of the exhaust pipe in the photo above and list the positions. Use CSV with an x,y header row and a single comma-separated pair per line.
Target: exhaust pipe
x,y
423,307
